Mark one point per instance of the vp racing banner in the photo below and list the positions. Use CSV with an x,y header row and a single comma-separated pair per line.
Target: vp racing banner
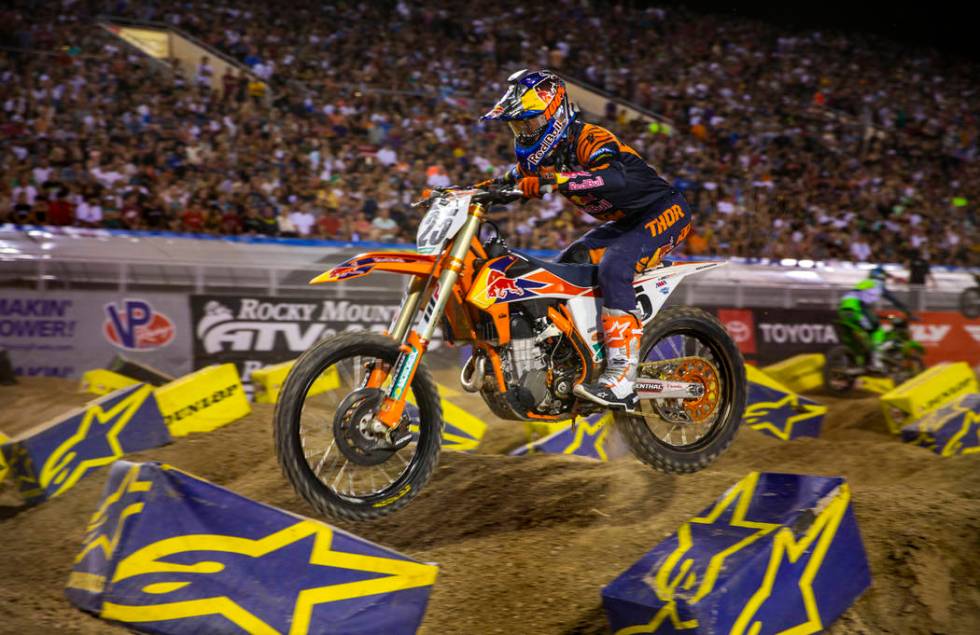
x,y
65,333
255,331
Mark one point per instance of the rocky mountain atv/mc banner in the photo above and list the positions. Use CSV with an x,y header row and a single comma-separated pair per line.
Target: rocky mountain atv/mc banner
x,y
254,331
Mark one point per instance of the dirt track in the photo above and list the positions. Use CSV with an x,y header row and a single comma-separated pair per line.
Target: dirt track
x,y
525,544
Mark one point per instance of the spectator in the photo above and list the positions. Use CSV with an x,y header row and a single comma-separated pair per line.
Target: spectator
x,y
193,219
303,220
61,210
779,160
204,73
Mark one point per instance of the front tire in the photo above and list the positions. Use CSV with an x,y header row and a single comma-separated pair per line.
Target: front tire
x,y
970,303
837,377
712,343
307,370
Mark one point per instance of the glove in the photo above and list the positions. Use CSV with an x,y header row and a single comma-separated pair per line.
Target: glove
x,y
530,186
496,183
536,186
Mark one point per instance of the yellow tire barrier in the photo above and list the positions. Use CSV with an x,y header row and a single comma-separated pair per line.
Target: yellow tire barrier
x,y
925,392
777,411
167,552
462,432
100,381
800,373
268,381
877,385
204,400
950,430
50,458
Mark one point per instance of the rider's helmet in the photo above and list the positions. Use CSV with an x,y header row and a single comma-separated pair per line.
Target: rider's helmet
x,y
537,109
877,273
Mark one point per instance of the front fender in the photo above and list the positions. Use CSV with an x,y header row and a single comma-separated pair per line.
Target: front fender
x,y
406,262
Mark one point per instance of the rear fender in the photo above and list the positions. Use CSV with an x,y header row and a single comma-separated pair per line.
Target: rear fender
x,y
655,286
390,261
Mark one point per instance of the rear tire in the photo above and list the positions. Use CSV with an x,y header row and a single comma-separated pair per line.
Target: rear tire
x,y
649,448
836,379
289,449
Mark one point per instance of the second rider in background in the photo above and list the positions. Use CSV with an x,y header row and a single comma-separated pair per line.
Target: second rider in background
x,y
645,217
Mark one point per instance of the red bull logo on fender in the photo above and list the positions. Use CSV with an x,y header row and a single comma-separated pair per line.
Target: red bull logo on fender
x,y
500,287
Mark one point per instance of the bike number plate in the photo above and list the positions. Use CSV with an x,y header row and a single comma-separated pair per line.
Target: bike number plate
x,y
445,217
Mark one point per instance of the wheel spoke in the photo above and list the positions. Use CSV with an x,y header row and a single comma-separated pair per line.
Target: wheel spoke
x,y
683,422
323,459
333,485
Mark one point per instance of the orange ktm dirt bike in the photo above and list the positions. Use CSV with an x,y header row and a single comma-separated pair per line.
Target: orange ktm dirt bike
x,y
358,423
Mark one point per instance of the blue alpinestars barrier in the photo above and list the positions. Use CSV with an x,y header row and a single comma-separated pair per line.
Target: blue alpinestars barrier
x,y
776,553
49,459
594,437
950,430
170,553
3,461
462,432
776,410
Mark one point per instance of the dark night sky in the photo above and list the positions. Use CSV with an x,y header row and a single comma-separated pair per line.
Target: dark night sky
x,y
945,25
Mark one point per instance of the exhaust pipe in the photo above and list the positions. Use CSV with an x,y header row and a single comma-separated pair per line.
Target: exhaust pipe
x,y
474,370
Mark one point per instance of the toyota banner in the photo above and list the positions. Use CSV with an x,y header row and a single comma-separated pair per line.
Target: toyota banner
x,y
767,336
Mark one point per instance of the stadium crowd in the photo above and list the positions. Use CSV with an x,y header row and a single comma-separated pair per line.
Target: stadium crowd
x,y
804,145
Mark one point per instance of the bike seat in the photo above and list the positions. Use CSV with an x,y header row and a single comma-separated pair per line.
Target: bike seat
x,y
579,275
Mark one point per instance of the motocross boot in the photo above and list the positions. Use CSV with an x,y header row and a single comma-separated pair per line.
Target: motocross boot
x,y
876,364
622,332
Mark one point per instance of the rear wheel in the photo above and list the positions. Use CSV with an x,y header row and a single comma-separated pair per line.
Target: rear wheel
x,y
837,370
687,435
326,441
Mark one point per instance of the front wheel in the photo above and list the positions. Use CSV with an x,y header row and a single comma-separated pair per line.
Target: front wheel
x,y
326,443
837,370
909,366
970,303
687,435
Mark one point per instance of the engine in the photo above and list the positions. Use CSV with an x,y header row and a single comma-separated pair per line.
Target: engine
x,y
540,365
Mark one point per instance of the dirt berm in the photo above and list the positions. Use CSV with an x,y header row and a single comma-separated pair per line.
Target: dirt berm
x,y
524,545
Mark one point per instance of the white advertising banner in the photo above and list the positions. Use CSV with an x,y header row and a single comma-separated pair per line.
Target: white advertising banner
x,y
65,333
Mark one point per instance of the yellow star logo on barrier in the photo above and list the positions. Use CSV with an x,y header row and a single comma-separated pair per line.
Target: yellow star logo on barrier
x,y
786,548
955,443
95,539
399,575
598,430
757,413
677,571
56,466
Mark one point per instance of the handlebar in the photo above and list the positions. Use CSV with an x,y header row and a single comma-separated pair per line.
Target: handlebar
x,y
489,196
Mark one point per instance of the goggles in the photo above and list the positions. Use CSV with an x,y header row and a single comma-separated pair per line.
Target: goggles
x,y
528,130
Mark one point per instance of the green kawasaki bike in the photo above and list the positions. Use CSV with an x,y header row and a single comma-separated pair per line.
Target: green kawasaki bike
x,y
901,356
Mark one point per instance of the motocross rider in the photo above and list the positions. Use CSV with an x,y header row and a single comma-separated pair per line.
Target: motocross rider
x,y
644,216
857,315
